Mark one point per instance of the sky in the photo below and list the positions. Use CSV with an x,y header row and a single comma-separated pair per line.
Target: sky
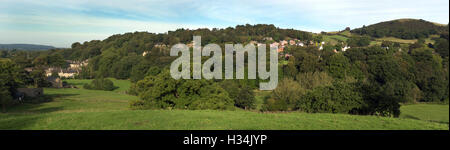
x,y
62,22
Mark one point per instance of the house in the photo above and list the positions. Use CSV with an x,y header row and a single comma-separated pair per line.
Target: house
x,y
268,38
73,69
345,48
281,49
145,53
275,44
68,73
287,56
28,69
292,42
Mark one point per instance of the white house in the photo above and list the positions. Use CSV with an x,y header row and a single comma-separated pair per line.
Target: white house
x,y
345,48
275,44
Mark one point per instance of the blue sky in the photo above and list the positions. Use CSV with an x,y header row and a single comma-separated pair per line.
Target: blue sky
x,y
63,22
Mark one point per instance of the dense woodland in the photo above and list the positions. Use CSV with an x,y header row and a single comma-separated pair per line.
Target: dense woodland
x,y
366,79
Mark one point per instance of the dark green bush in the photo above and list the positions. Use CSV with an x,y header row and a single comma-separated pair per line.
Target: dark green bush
x,y
285,96
100,84
162,91
241,93
338,98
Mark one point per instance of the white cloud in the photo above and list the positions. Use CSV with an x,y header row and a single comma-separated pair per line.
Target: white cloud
x,y
107,17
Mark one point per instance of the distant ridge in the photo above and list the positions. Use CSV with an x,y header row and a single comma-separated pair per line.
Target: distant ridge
x,y
402,28
30,47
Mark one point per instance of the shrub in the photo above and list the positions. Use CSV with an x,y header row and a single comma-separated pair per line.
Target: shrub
x,y
338,98
162,91
311,80
100,84
285,96
6,98
241,93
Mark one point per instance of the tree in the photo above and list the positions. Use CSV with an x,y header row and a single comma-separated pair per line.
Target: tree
x,y
311,80
5,99
100,84
442,47
429,74
339,98
285,96
358,41
338,66
240,92
39,78
9,82
162,91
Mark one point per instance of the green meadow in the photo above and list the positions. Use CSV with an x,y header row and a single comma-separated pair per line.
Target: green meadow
x,y
80,109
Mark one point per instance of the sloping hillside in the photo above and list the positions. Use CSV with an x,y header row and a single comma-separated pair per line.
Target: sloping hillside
x,y
25,47
402,28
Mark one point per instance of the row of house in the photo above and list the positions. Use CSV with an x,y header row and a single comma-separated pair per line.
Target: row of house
x,y
70,72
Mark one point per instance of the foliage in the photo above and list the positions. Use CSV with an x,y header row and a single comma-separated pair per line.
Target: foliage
x,y
340,97
240,92
162,91
358,41
404,29
285,96
100,84
9,82
313,80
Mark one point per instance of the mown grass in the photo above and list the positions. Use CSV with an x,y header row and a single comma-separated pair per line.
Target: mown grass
x,y
77,109
334,39
122,85
398,40
428,112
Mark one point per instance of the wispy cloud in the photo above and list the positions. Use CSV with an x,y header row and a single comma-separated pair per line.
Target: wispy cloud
x,y
31,21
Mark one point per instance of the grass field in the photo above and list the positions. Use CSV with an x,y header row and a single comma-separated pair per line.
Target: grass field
x,y
92,109
429,112
122,85
334,39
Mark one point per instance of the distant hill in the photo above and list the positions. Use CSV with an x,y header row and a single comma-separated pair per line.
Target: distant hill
x,y
31,47
402,28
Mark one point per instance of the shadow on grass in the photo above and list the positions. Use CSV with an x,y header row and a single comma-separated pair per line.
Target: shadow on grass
x,y
415,118
411,117
34,105
24,115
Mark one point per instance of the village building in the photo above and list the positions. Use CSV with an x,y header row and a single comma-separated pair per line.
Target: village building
x,y
145,53
281,49
345,48
292,42
70,72
268,38
275,44
284,42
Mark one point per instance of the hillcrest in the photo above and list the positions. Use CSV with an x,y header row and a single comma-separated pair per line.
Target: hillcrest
x,y
212,68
